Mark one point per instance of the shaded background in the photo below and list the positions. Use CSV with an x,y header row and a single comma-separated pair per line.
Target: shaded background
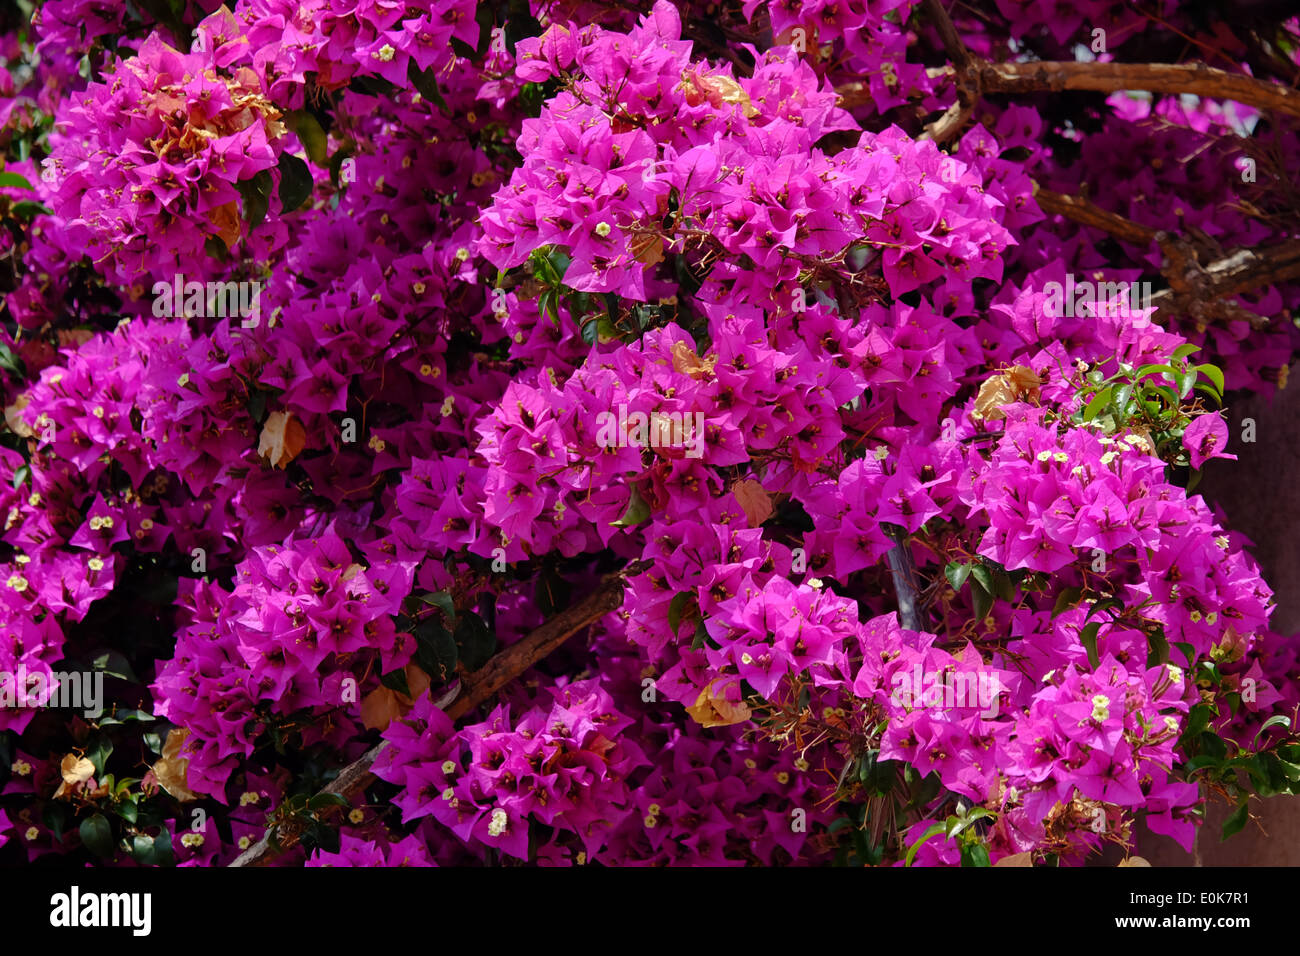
x,y
1255,492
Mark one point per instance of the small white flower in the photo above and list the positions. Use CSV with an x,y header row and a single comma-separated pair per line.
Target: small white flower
x,y
385,53
603,229
497,825
449,766
1100,707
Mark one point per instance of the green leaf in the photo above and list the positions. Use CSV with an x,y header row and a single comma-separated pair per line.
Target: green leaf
x,y
1185,383
396,680
98,750
55,817
1188,651
981,599
1003,586
442,600
1097,403
1099,606
1199,762
701,635
1277,720
983,576
956,573
976,854
128,811
313,137
1184,350
1158,652
15,181
11,362
114,664
1067,599
426,85
978,813
638,512
215,248
323,801
295,182
1198,718
1123,395
256,193
21,474
548,305
1236,821
1161,370
934,831
27,209
435,650
1214,374
1088,638
256,406
475,643
675,609
97,835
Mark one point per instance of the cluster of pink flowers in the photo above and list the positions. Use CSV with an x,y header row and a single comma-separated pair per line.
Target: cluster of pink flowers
x,y
565,299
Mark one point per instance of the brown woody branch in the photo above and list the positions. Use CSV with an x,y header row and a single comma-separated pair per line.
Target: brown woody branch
x,y
955,117
1194,78
975,77
1201,292
1087,213
475,689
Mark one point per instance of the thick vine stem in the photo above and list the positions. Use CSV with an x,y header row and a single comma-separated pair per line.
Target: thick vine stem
x,y
473,690
903,572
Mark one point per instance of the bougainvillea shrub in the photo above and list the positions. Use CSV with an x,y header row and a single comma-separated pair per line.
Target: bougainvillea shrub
x,y
573,433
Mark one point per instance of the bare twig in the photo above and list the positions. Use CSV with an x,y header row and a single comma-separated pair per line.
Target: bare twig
x,y
474,690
